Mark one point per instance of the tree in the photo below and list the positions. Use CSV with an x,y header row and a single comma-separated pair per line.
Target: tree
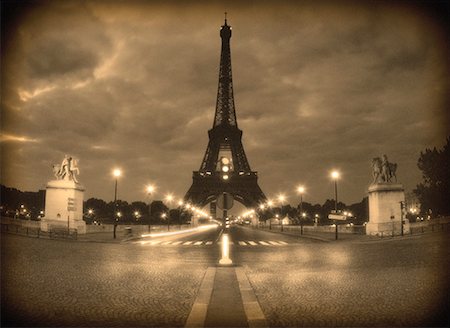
x,y
434,192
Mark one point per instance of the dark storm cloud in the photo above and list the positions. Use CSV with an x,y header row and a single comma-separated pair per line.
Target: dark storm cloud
x,y
133,84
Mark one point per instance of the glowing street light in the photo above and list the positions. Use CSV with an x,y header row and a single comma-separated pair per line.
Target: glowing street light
x,y
169,198
281,199
150,190
116,173
335,175
301,190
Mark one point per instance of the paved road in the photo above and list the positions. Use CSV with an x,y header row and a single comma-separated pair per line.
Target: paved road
x,y
155,281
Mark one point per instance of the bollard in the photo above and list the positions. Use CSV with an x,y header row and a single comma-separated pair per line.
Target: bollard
x,y
225,260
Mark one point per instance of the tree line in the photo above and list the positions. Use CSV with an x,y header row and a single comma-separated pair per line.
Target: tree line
x,y
433,194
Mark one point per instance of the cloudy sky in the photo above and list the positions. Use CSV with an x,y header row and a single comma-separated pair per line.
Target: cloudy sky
x,y
318,85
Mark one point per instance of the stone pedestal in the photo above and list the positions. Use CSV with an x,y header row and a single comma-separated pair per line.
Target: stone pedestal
x,y
385,214
64,206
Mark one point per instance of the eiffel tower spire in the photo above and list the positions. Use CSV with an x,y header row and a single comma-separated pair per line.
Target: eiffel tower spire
x,y
225,111
225,141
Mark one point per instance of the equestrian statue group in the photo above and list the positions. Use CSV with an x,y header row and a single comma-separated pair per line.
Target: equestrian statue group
x,y
383,171
67,169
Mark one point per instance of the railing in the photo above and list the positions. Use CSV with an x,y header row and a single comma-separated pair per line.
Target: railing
x,y
434,225
54,233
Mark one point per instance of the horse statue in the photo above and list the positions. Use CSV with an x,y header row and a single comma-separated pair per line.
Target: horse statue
x,y
383,171
376,169
67,169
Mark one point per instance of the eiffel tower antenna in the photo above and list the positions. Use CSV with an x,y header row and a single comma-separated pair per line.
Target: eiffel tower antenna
x,y
225,146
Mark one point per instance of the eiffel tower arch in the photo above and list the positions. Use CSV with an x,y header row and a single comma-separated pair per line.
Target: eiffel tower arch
x,y
225,143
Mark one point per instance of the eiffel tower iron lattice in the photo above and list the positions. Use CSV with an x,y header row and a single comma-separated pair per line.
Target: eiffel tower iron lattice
x,y
225,144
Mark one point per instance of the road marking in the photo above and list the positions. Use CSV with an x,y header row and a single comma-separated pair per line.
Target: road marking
x,y
282,242
274,243
155,242
166,243
209,243
252,243
264,243
176,242
198,243
255,316
242,243
187,242
198,312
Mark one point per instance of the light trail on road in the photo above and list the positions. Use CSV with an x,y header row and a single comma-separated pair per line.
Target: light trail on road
x,y
176,234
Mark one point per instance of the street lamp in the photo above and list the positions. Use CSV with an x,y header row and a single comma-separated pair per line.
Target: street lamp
x,y
169,199
269,206
281,198
116,173
301,190
150,189
335,176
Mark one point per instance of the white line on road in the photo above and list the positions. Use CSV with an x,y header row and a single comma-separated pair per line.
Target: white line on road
x,y
264,243
255,316
252,243
209,242
176,242
274,243
242,243
198,312
187,242
282,242
198,243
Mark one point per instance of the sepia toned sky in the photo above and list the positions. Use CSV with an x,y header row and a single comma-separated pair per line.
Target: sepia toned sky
x,y
132,84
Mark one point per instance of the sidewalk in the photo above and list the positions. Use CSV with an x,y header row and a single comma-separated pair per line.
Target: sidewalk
x,y
330,236
102,237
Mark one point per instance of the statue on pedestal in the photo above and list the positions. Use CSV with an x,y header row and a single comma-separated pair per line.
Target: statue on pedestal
x,y
383,171
67,169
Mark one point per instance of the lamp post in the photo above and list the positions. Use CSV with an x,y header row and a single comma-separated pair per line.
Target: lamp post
x,y
261,207
281,198
301,190
169,198
150,189
269,205
116,173
164,216
335,176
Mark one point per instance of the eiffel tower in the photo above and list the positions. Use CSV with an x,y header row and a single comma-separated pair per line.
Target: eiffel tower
x,y
225,145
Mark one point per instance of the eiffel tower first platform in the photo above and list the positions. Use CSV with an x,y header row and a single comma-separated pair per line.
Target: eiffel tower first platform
x,y
225,167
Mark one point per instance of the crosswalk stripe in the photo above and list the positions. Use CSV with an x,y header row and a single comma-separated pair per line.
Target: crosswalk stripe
x,y
209,242
274,243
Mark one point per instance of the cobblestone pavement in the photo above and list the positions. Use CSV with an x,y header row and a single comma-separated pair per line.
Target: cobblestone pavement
x,y
401,282
304,282
64,283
